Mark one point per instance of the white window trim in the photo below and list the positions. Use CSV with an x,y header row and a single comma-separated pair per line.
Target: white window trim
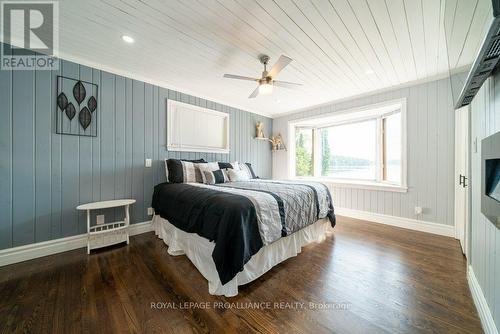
x,y
378,110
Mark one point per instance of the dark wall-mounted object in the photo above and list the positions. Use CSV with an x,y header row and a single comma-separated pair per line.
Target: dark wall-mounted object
x,y
485,62
490,174
76,98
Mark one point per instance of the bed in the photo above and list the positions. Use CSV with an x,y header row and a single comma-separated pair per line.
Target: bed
x,y
234,232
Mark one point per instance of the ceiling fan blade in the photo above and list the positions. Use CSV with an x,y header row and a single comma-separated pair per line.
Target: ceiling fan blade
x,y
254,93
240,77
279,65
286,84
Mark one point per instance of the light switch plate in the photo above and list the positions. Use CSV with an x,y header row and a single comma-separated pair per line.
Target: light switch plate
x,y
100,219
149,162
151,211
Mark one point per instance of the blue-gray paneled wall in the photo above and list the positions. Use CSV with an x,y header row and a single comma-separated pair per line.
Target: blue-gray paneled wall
x,y
44,176
485,237
430,154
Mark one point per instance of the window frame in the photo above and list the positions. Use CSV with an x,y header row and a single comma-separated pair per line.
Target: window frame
x,y
384,148
313,146
378,112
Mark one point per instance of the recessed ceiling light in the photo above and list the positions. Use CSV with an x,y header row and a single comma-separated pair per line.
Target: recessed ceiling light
x,y
369,71
127,39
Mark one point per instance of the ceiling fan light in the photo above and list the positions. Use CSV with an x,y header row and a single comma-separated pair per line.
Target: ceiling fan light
x,y
265,89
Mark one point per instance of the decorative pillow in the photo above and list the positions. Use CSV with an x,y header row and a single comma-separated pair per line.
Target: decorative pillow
x,y
238,175
247,167
214,177
227,165
183,171
206,167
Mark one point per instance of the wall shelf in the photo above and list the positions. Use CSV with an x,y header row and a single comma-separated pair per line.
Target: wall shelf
x,y
272,144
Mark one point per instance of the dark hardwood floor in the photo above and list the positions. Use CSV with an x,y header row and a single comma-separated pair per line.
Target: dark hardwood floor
x,y
371,278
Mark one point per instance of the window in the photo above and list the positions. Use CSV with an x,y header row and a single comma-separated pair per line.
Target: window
x,y
363,147
348,151
304,151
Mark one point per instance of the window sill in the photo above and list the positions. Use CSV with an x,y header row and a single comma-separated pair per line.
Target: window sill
x,y
356,184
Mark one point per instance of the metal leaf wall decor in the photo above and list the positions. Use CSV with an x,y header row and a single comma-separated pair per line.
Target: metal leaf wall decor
x,y
70,111
92,104
84,117
79,92
76,97
62,101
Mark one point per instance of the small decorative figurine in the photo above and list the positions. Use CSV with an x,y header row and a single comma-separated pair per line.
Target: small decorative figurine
x,y
277,143
259,130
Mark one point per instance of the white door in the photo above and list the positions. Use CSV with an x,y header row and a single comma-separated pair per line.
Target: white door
x,y
462,177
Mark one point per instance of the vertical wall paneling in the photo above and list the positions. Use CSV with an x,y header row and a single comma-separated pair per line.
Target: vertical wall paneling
x,y
128,138
44,175
430,157
155,135
138,114
85,160
23,157
96,142
432,142
70,166
107,142
56,164
148,183
422,195
163,95
43,107
120,166
6,160
442,164
485,237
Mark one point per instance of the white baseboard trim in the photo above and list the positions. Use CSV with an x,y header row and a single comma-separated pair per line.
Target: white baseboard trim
x,y
140,228
482,307
408,223
39,249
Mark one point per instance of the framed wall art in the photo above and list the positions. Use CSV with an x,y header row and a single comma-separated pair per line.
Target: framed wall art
x,y
76,107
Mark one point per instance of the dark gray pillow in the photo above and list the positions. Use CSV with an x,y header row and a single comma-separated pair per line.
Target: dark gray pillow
x,y
182,171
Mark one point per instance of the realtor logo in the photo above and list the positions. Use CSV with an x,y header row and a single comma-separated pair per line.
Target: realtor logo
x,y
29,35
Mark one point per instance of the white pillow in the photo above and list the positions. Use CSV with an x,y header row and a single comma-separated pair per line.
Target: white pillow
x,y
236,165
207,167
237,175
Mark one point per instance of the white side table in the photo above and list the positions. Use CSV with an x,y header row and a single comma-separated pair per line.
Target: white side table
x,y
103,235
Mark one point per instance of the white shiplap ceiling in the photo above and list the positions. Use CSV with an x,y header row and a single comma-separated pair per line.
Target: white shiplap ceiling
x,y
188,45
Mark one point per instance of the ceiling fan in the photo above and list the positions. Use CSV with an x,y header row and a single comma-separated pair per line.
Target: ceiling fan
x,y
266,82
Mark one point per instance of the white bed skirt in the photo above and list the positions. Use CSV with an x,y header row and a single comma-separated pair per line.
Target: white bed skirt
x,y
199,251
